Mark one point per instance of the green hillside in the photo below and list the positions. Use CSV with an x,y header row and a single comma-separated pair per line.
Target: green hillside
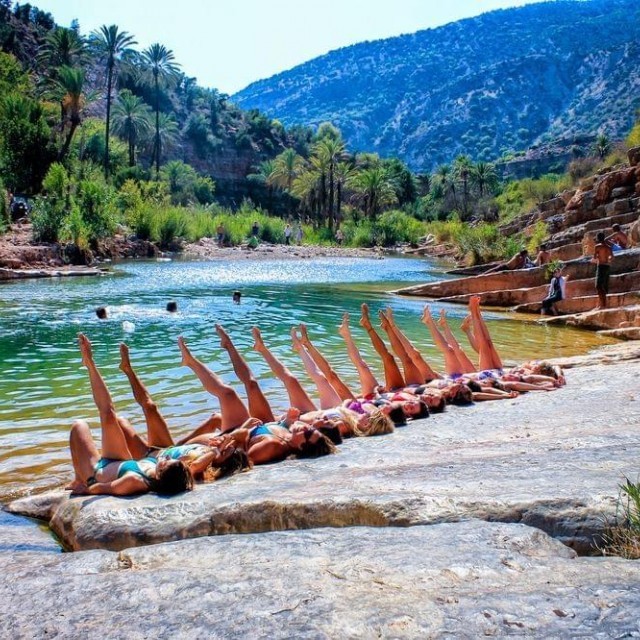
x,y
508,80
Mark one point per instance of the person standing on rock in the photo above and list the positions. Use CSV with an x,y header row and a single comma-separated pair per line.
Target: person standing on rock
x,y
602,259
220,232
287,233
255,229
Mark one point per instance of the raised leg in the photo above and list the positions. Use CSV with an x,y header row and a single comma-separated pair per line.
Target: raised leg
x,y
426,372
327,394
114,444
234,413
321,362
258,404
467,327
489,358
157,430
412,374
368,382
451,363
468,366
84,453
392,376
298,397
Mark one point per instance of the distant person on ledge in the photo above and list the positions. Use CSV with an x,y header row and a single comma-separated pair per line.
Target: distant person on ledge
x,y
519,261
602,258
618,240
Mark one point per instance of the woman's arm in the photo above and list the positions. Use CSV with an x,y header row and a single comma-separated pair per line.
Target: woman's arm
x,y
268,450
129,484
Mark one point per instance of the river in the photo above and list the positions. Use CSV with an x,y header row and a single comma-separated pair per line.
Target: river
x,y
43,388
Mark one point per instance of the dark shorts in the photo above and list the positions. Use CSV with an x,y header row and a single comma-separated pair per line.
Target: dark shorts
x,y
602,277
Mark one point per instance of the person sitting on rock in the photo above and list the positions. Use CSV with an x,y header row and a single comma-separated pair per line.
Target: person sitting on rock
x,y
618,240
116,472
555,293
543,257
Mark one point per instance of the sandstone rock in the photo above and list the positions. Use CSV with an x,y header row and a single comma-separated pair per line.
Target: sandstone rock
x,y
567,195
577,200
622,192
620,178
634,156
619,206
464,580
497,462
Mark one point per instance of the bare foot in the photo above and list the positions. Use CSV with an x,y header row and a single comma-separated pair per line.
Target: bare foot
x,y
365,320
75,485
442,321
466,323
125,362
384,322
225,340
85,349
389,313
187,358
295,340
304,336
426,315
343,329
258,342
474,303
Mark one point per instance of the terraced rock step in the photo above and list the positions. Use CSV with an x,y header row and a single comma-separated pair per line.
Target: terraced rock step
x,y
584,303
616,317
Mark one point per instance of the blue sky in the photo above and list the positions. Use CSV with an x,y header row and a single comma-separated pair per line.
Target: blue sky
x,y
228,45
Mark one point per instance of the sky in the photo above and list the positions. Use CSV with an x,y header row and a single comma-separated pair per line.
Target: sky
x,y
228,44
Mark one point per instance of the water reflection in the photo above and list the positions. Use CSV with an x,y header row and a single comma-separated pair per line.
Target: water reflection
x,y
43,388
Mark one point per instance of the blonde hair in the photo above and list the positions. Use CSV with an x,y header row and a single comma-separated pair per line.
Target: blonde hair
x,y
348,417
379,424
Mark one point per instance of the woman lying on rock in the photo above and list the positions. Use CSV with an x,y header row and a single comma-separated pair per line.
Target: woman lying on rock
x,y
264,442
116,472
212,460
332,411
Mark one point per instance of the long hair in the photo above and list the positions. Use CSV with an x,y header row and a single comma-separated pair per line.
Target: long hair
x,y
174,478
378,424
236,462
321,447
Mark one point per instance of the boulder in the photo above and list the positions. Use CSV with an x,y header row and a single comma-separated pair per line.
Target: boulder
x,y
634,156
607,183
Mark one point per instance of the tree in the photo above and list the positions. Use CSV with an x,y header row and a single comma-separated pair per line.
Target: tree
x,y
484,177
331,149
286,168
62,48
602,146
131,120
160,70
462,168
374,190
111,45
70,83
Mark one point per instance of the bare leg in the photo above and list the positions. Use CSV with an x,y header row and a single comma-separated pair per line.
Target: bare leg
x,y
426,372
392,377
84,453
451,340
489,358
298,397
412,374
258,405
368,382
451,363
466,326
114,444
327,394
234,413
157,430
332,377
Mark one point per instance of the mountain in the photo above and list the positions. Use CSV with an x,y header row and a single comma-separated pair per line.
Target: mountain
x,y
487,86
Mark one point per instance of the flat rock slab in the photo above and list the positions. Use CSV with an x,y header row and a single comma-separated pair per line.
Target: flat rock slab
x,y
553,460
462,580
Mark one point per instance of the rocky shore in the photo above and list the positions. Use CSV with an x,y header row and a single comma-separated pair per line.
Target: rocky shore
x,y
452,526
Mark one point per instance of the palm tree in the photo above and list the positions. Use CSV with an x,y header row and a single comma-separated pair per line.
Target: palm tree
x,y
160,69
343,173
62,48
373,189
331,150
286,168
602,146
70,83
168,131
463,168
112,46
484,177
443,173
263,175
131,120
306,187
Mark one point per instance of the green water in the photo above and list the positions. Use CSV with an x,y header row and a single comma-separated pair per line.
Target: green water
x,y
43,388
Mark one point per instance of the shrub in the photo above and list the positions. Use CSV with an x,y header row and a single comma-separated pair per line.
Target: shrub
x,y
623,537
537,237
50,209
75,229
97,204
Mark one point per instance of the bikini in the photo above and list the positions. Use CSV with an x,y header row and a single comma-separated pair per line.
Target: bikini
x,y
126,466
265,430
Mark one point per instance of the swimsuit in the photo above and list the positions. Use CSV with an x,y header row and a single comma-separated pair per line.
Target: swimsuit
x,y
356,407
602,277
265,429
126,466
177,452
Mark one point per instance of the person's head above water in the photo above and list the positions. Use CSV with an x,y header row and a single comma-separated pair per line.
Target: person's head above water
x,y
237,296
172,306
101,312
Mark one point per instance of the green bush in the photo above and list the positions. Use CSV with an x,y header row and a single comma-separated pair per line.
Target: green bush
x,y
97,204
539,235
75,229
